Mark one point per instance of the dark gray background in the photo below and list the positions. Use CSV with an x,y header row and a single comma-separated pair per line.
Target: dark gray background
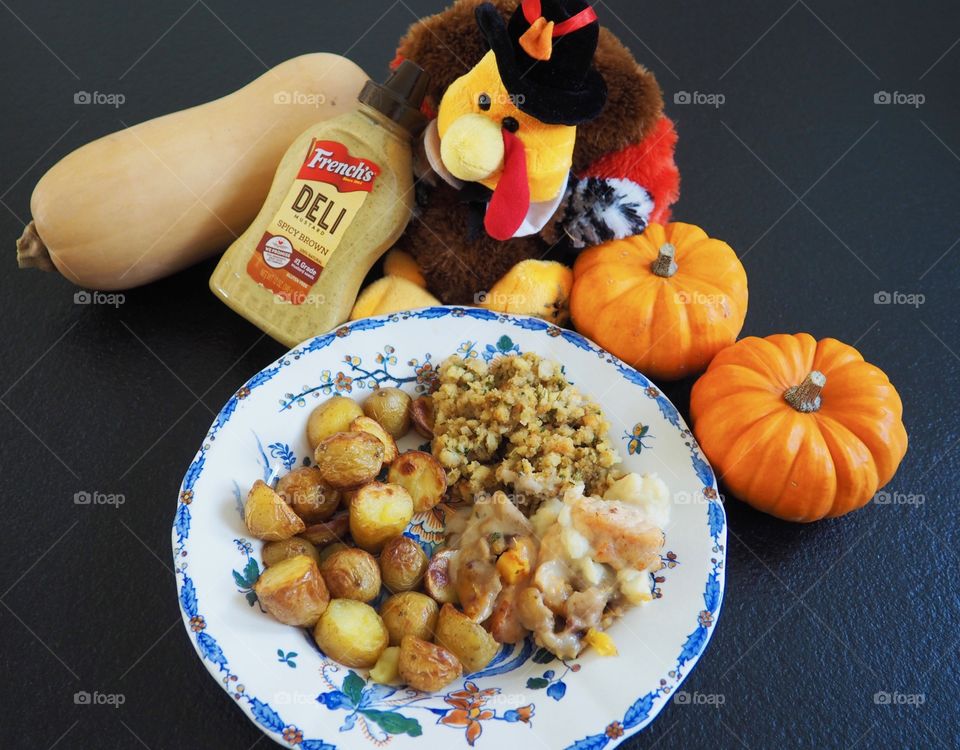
x,y
828,197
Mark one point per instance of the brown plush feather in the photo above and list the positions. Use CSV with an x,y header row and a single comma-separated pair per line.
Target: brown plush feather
x,y
634,104
447,44
457,269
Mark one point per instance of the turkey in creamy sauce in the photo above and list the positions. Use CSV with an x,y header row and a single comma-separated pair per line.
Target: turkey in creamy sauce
x,y
591,559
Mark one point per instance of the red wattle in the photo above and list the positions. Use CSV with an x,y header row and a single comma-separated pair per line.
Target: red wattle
x,y
511,197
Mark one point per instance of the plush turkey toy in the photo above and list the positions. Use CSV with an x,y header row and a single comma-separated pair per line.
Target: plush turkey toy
x,y
546,138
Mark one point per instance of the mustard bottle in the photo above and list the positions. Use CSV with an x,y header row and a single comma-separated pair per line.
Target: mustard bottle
x,y
341,196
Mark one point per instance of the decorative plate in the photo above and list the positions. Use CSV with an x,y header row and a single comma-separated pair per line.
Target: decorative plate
x,y
301,699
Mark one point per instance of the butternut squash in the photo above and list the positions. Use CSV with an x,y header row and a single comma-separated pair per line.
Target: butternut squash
x,y
144,202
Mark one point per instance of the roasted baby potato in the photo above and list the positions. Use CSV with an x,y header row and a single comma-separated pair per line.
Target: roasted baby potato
x,y
274,552
310,497
437,581
465,639
422,416
390,407
293,591
329,550
377,512
402,564
409,612
372,426
351,633
349,459
387,669
351,573
427,666
422,476
346,497
267,516
328,532
333,415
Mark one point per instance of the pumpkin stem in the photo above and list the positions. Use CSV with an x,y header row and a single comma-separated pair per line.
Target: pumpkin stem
x,y
31,252
665,266
806,396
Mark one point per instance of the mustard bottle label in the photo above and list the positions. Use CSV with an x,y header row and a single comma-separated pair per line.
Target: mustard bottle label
x,y
322,202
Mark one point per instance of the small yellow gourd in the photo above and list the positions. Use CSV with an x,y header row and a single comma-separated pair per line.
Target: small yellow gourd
x,y
400,263
389,295
533,287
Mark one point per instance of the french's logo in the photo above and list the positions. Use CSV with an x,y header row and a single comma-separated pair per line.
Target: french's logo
x,y
331,162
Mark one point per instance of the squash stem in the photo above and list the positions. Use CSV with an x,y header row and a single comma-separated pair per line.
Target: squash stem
x,y
665,266
806,396
31,252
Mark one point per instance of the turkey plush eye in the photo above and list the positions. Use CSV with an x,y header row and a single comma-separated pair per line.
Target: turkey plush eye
x,y
483,101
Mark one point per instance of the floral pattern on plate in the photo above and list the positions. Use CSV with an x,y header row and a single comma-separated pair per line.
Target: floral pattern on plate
x,y
297,696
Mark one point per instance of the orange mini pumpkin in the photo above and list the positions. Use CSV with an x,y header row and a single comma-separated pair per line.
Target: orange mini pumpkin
x,y
665,301
798,428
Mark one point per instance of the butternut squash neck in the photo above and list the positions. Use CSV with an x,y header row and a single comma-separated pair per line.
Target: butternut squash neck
x,y
31,251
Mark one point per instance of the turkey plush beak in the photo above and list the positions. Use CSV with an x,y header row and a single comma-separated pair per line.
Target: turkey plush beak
x,y
511,196
472,148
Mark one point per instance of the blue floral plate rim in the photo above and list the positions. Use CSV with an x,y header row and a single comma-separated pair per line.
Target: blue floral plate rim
x,y
638,714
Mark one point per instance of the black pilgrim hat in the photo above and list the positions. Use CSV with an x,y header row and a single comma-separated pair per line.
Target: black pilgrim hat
x,y
544,57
